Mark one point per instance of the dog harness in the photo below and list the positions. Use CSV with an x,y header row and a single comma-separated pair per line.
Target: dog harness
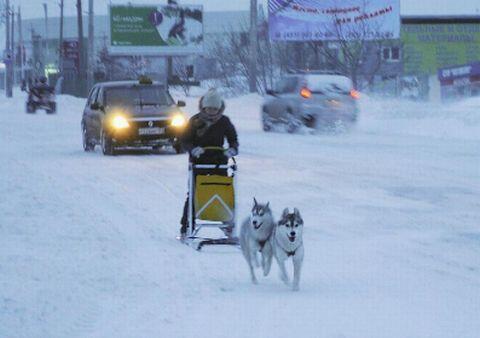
x,y
290,253
262,244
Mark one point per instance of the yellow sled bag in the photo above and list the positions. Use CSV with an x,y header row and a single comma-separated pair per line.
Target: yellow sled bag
x,y
214,198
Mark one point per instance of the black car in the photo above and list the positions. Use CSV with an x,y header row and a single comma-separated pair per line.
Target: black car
x,y
131,114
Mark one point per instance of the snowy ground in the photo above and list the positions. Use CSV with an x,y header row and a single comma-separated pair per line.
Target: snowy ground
x,y
392,234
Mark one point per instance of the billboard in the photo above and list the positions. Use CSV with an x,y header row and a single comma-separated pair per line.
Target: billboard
x,y
450,74
428,47
156,30
313,20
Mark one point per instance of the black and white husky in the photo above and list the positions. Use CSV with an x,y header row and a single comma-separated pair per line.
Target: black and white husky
x,y
254,238
287,241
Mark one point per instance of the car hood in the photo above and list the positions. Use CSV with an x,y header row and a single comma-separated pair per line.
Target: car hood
x,y
146,111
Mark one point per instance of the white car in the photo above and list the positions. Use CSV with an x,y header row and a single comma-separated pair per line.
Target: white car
x,y
312,100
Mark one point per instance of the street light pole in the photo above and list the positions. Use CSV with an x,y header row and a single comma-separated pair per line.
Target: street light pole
x,y
8,53
12,47
91,46
253,47
81,52
20,44
46,33
60,41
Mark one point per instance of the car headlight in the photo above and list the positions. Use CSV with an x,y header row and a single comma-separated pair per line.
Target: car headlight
x,y
178,121
120,122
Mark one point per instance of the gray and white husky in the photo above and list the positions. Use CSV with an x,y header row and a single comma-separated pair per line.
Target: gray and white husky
x,y
287,241
255,233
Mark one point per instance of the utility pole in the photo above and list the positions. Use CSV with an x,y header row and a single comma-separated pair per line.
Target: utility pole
x,y
80,43
253,47
20,44
12,48
91,46
38,65
60,40
8,53
46,33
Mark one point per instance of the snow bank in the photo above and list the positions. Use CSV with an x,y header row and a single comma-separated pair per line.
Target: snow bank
x,y
459,120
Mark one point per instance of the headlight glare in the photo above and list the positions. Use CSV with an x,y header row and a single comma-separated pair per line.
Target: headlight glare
x,y
178,120
120,122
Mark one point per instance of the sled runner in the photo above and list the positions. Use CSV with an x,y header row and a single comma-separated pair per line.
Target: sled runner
x,y
211,202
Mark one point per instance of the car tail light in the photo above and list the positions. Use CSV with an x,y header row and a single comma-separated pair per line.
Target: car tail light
x,y
355,94
306,93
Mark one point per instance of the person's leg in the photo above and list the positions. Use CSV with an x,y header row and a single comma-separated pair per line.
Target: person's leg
x,y
184,220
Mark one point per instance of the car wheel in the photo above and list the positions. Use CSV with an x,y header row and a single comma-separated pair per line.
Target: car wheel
x,y
87,145
30,108
266,124
310,121
292,123
266,127
178,147
53,108
107,144
354,118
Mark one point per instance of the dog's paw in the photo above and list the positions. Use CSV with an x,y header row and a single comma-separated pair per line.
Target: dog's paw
x,y
284,279
254,281
296,287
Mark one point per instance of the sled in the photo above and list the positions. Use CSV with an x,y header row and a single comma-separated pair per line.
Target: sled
x,y
211,203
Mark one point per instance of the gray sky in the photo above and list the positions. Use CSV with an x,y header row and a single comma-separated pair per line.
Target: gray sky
x,y
33,8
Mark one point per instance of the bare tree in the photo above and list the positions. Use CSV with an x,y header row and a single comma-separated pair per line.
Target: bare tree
x,y
120,68
181,70
233,58
355,49
2,12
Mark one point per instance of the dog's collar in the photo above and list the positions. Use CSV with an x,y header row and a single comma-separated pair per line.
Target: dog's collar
x,y
289,253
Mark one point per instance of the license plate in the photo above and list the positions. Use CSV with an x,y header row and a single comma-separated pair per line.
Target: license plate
x,y
151,131
335,103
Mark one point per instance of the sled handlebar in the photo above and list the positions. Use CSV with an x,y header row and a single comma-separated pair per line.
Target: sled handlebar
x,y
215,148
223,150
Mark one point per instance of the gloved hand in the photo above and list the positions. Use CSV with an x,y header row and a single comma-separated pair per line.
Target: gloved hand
x,y
230,152
197,152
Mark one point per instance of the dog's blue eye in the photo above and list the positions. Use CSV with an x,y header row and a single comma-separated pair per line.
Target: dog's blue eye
x,y
296,225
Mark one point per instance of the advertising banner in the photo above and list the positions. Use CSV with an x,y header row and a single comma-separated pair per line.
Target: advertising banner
x,y
314,20
459,72
428,47
156,30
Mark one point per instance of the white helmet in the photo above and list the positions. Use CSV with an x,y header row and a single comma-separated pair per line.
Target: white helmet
x,y
211,99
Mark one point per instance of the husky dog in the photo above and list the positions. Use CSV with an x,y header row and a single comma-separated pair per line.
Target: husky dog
x,y
254,237
287,242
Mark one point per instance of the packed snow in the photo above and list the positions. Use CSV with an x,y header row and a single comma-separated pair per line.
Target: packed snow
x,y
392,231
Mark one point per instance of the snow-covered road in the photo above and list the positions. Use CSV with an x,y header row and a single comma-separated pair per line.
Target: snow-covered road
x,y
392,216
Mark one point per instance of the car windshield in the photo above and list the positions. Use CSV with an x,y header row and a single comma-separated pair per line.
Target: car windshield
x,y
329,83
138,96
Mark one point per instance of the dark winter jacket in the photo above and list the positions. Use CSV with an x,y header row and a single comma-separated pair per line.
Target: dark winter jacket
x,y
213,136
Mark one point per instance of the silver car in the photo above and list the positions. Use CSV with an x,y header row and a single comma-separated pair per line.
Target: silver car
x,y
312,100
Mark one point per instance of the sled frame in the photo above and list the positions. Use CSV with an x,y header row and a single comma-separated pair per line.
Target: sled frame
x,y
194,226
